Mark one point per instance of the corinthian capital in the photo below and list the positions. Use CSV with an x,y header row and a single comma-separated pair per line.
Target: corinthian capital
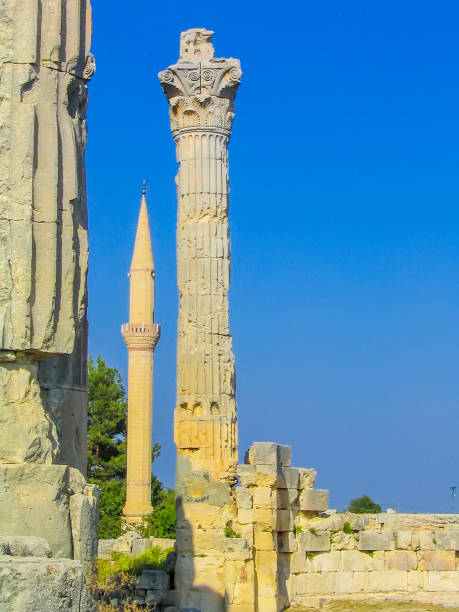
x,y
197,80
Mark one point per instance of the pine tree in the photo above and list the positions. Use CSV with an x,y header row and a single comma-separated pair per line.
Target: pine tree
x,y
107,408
364,505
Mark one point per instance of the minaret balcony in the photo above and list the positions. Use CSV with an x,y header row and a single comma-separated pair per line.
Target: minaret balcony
x,y
141,336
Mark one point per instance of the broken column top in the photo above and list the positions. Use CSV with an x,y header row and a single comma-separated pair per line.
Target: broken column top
x,y
198,71
196,43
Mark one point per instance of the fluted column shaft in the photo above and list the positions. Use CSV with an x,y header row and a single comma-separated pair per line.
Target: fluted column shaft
x,y
200,90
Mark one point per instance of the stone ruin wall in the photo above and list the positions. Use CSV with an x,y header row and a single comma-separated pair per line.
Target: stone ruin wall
x,y
292,550
45,65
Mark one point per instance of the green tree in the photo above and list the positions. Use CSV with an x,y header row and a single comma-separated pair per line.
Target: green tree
x,y
107,408
161,524
364,505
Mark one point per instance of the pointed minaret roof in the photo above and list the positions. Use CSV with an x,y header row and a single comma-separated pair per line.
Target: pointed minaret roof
x,y
142,258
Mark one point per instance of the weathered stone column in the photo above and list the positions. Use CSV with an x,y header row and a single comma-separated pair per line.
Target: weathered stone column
x,y
45,65
200,89
141,335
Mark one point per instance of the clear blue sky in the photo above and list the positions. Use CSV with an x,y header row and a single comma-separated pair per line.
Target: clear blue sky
x,y
344,170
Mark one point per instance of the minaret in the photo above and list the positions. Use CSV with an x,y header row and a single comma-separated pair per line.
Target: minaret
x,y
141,336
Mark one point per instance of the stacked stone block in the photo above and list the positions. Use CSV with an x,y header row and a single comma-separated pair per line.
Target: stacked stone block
x,y
304,554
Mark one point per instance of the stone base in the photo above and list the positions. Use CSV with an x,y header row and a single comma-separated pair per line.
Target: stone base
x,y
53,502
29,584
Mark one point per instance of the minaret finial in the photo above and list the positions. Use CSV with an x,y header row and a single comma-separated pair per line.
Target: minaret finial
x,y
144,187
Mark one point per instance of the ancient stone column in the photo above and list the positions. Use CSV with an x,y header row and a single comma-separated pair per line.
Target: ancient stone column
x,y
45,65
201,89
141,335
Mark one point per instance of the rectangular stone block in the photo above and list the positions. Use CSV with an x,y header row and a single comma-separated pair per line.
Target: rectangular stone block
x,y
447,540
313,500
307,478
345,582
247,475
237,549
264,518
376,540
269,453
325,562
287,542
437,560
156,580
388,580
290,477
314,541
298,563
443,581
264,497
403,539
285,520
243,498
403,560
356,561
416,581
321,583
265,540
244,517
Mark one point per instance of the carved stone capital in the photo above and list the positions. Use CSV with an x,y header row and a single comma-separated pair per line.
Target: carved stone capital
x,y
200,87
190,113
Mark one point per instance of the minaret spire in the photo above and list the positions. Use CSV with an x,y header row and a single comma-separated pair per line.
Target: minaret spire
x,y
141,335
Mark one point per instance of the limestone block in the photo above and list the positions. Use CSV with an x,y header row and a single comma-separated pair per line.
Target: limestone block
x,y
314,541
403,560
376,540
345,582
264,497
325,562
287,498
157,580
290,477
388,580
105,547
29,584
34,500
331,522
403,539
162,543
237,549
358,522
269,453
426,540
25,546
447,540
443,581
285,520
321,583
307,478
264,518
139,546
287,542
437,560
84,517
265,540
356,561
343,541
247,475
298,565
208,539
245,517
243,498
416,580
313,500
270,476
244,589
